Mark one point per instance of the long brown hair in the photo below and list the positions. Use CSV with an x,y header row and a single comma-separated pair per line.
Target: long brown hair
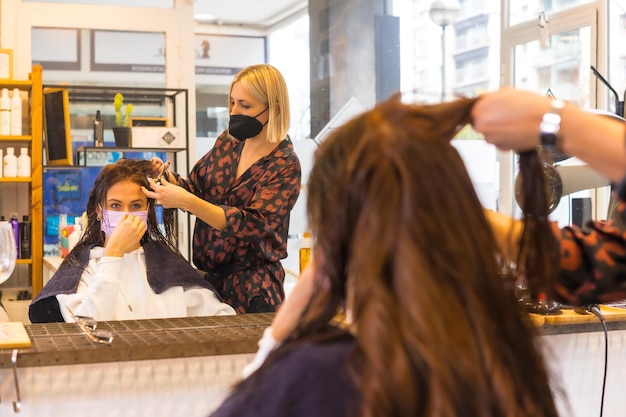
x,y
136,171
404,245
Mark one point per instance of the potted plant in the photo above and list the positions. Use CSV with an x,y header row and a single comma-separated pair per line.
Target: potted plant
x,y
122,131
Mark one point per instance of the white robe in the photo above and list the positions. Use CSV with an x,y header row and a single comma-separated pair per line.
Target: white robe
x,y
114,288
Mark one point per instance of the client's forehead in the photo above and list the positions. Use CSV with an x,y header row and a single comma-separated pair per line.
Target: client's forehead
x,y
125,191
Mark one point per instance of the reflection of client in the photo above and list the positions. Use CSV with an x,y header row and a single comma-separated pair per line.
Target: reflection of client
x,y
124,267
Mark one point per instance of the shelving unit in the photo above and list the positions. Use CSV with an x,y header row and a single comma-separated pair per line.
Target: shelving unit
x,y
25,195
168,104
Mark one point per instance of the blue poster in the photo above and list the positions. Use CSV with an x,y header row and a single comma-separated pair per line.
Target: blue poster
x,y
66,191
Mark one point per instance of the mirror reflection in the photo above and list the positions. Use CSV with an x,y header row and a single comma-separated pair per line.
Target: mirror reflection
x,y
331,54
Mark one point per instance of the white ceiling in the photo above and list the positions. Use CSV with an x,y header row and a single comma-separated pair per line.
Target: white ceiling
x,y
248,13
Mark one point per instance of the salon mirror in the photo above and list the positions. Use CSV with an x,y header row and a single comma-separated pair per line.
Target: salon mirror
x,y
314,44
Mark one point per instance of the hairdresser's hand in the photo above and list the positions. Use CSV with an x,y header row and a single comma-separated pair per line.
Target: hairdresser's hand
x,y
159,169
156,165
168,194
126,236
510,118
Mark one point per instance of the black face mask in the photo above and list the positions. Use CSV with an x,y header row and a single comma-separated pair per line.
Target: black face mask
x,y
242,127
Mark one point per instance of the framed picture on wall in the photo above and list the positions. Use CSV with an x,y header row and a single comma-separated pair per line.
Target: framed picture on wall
x,y
6,64
56,126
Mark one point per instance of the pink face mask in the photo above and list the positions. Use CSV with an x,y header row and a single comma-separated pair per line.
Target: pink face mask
x,y
111,218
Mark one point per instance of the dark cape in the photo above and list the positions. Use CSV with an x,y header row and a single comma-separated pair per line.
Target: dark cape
x,y
165,269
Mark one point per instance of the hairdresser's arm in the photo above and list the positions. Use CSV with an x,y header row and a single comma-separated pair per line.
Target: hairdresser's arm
x,y
290,311
510,119
592,265
507,232
286,318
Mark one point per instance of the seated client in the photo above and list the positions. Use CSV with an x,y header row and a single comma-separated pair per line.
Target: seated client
x,y
124,267
408,314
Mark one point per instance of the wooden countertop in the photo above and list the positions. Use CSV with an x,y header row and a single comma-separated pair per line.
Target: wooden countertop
x,y
65,344
571,322
569,316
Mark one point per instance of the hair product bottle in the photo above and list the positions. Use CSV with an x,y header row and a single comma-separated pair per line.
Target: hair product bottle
x,y
5,112
98,131
25,232
23,163
10,163
62,224
305,250
16,232
16,113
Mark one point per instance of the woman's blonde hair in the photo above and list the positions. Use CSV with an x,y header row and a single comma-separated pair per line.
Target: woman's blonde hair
x,y
267,85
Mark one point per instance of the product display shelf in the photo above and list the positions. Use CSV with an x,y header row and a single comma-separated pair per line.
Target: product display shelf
x,y
32,126
168,106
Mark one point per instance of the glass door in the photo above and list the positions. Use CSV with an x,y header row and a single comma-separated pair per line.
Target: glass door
x,y
553,55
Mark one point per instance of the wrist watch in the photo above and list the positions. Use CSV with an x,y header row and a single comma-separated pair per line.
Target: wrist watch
x,y
550,127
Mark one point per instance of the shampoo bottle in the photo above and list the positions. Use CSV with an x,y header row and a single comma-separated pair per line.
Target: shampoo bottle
x,y
62,224
10,163
98,131
25,230
305,251
5,112
16,232
75,236
16,113
23,163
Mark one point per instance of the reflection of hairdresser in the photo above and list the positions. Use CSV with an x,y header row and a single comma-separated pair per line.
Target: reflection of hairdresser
x,y
123,267
592,265
242,192
407,314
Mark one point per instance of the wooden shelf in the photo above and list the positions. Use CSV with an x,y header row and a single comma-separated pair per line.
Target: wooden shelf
x,y
20,84
21,138
16,179
33,200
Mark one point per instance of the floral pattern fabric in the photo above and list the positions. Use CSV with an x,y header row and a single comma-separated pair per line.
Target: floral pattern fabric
x,y
243,259
593,263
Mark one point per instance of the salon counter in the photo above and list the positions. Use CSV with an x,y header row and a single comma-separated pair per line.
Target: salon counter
x,y
570,321
65,344
574,347
186,366
163,367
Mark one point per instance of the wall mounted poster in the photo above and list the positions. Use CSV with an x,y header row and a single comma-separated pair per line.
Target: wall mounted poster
x,y
56,48
142,51
227,55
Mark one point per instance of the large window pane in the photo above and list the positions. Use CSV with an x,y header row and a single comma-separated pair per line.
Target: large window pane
x,y
525,10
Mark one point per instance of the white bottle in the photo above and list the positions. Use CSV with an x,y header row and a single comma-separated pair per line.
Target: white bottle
x,y
5,112
10,163
23,163
61,225
16,113
1,163
76,234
